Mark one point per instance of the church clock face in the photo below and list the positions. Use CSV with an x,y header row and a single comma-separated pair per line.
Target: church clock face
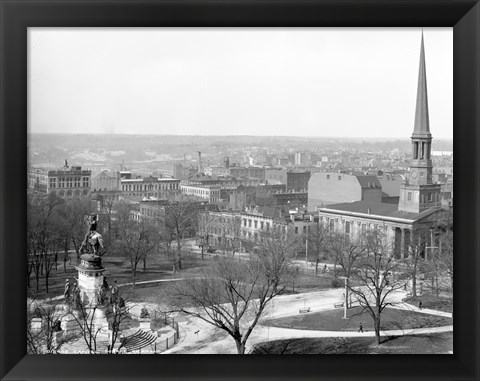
x,y
414,174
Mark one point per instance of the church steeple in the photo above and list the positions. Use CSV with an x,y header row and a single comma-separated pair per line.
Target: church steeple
x,y
419,192
421,164
422,123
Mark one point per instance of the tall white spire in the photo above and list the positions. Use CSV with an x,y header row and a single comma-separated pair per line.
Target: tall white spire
x,y
422,123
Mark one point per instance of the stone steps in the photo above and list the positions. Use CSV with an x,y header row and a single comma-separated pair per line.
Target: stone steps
x,y
138,340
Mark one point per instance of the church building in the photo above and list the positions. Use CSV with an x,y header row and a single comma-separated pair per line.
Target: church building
x,y
420,197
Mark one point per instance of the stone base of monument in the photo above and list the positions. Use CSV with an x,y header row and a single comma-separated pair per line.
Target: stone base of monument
x,y
71,324
145,324
99,322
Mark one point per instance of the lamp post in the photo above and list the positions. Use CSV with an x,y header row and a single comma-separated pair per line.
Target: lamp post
x,y
345,294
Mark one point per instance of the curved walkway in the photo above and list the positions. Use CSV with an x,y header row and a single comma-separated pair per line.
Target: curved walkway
x,y
211,340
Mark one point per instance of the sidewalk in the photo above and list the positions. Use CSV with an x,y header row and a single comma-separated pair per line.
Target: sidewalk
x,y
212,340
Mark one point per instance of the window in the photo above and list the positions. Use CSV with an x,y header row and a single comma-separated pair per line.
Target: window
x,y
328,177
249,223
347,227
364,228
261,225
296,229
332,224
339,177
430,198
409,196
255,223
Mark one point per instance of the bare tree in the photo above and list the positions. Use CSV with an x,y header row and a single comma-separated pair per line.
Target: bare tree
x,y
85,316
444,234
42,339
72,216
375,271
138,239
180,222
317,237
44,235
414,261
233,296
205,223
347,253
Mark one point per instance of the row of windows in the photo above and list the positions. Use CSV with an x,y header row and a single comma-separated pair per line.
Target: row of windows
x,y
255,223
428,198
339,177
140,187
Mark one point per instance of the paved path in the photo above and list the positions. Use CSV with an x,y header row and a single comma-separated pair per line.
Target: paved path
x,y
212,340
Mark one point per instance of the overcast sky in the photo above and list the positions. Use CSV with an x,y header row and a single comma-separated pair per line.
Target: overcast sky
x,y
217,81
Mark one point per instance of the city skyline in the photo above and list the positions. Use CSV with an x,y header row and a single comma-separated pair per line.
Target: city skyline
x,y
275,82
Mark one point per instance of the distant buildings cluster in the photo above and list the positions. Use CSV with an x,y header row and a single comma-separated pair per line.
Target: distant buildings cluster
x,y
345,191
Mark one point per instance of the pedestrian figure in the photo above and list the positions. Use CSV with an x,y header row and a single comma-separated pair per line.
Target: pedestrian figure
x,y
66,293
420,305
360,329
325,268
114,292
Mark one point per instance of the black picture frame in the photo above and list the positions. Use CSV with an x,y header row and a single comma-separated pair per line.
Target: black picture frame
x,y
18,15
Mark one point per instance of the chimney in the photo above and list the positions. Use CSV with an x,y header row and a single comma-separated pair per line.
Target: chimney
x,y
199,162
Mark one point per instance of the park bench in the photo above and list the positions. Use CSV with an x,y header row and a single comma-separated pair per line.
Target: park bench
x,y
304,310
338,305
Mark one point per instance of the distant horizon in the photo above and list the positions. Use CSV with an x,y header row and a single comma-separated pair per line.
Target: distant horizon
x,y
314,82
233,136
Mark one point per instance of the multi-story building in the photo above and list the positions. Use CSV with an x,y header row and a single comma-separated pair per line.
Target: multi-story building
x,y
297,181
66,182
220,229
276,176
210,193
105,181
150,187
248,172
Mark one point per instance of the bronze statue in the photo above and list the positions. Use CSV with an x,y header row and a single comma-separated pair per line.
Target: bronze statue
x,y
144,313
93,240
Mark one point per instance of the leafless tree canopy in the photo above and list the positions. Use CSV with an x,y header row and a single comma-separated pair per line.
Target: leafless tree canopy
x,y
232,295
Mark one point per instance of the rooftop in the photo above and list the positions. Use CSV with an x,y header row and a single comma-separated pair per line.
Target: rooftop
x,y
372,209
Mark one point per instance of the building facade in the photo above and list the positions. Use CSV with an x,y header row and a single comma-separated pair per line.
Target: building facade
x,y
297,181
66,182
210,193
150,187
105,181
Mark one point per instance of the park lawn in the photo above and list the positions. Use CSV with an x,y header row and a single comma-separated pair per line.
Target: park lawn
x,y
442,303
117,268
415,344
332,320
309,283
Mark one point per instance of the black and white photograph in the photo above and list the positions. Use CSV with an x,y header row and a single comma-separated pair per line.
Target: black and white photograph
x,y
240,190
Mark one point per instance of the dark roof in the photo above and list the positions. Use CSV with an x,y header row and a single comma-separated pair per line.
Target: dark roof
x,y
368,181
377,208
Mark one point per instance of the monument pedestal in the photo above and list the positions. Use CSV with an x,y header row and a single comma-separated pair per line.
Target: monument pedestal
x,y
145,324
